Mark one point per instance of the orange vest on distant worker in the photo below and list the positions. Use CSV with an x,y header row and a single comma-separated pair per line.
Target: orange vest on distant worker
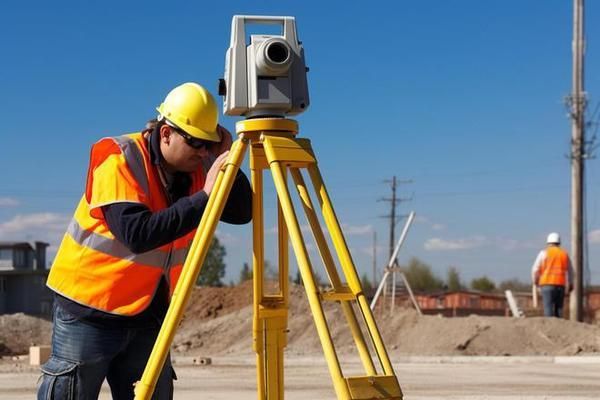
x,y
92,267
553,270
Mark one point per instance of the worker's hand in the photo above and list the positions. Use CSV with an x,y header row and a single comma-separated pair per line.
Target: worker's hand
x,y
211,175
224,145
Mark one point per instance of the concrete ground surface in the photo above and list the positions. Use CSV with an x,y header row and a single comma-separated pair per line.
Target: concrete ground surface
x,y
477,378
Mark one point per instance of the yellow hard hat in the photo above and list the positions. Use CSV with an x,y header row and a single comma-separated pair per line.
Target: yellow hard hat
x,y
193,109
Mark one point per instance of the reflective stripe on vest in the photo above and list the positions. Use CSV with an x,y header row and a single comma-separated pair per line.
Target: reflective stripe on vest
x,y
135,160
113,247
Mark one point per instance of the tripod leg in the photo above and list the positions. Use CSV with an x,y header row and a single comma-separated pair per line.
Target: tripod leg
x,y
348,266
379,289
193,263
270,311
334,277
312,291
410,292
280,325
393,303
258,270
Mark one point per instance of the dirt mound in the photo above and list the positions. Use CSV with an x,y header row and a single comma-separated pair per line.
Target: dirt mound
x,y
405,333
19,331
219,321
212,302
409,333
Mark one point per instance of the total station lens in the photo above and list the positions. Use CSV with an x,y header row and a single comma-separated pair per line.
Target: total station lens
x,y
277,53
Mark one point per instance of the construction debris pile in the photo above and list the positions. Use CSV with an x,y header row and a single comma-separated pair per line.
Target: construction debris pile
x,y
218,321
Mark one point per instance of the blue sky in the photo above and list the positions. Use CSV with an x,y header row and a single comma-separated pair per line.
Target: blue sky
x,y
465,98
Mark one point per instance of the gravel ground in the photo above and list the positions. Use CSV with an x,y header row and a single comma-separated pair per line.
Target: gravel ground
x,y
307,378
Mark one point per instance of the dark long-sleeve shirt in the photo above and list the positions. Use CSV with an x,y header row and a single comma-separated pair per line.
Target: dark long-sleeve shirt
x,y
141,230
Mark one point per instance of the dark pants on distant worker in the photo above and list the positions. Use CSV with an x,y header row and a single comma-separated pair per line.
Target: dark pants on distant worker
x,y
553,297
83,355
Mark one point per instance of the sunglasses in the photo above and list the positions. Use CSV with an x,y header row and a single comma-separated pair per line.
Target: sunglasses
x,y
192,141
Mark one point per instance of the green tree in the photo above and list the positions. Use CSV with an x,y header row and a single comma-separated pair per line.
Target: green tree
x,y
245,273
213,269
483,284
515,285
366,283
453,280
270,272
319,280
298,278
421,278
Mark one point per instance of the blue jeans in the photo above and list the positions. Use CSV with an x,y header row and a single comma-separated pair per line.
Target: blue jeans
x,y
83,355
553,297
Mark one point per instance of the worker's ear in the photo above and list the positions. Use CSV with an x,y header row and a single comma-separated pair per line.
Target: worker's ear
x,y
165,134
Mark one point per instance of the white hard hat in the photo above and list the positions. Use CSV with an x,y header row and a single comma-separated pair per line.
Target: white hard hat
x,y
553,238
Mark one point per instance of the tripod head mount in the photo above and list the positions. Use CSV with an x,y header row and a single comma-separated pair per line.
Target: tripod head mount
x,y
258,125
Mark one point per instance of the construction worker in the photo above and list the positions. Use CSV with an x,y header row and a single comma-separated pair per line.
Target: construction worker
x,y
123,252
552,272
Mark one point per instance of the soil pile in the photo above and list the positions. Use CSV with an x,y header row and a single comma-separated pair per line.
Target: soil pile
x,y
218,321
212,302
405,332
411,334
19,331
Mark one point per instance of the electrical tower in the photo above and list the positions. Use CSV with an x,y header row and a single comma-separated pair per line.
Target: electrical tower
x,y
394,200
393,265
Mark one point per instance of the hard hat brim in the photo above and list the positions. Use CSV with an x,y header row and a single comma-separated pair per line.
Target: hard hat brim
x,y
192,130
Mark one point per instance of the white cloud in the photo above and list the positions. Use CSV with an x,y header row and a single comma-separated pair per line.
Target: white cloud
x,y
303,228
357,229
594,236
421,219
8,202
514,244
43,227
368,250
226,238
438,244
478,241
33,225
347,230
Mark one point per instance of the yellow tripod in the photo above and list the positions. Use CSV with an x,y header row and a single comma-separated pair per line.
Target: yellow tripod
x,y
274,147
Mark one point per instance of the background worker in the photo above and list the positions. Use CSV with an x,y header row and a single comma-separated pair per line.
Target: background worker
x,y
124,249
553,273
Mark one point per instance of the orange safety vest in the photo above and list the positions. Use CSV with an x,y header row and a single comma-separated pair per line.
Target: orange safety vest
x,y
92,267
553,270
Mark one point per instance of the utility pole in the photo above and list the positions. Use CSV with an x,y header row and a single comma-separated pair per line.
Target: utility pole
x,y
393,201
577,103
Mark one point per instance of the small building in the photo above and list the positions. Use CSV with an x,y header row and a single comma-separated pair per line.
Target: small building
x,y
466,302
23,276
592,302
461,303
